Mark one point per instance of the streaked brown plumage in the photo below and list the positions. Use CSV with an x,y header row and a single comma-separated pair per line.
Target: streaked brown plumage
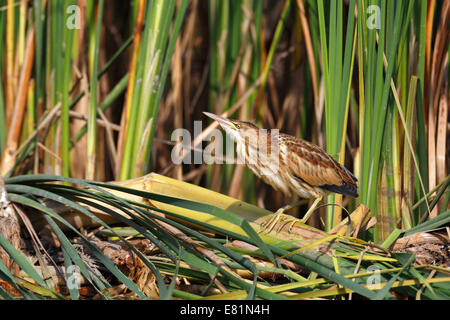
x,y
316,168
299,167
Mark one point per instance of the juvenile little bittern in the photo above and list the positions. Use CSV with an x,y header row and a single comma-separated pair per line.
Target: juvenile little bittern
x,y
289,164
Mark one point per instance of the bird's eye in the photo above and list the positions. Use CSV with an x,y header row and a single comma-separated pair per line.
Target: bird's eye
x,y
238,126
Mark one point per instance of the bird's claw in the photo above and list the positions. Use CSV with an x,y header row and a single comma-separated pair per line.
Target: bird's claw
x,y
278,218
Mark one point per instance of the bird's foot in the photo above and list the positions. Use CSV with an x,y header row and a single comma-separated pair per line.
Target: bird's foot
x,y
278,218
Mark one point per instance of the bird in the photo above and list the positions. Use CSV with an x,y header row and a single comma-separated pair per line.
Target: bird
x,y
289,164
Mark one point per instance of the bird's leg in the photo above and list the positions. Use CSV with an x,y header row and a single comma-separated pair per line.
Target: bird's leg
x,y
307,214
279,215
311,210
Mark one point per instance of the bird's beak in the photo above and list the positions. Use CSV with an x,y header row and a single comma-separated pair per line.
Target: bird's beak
x,y
224,122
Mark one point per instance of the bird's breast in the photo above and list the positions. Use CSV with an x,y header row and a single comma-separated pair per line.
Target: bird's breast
x,y
272,169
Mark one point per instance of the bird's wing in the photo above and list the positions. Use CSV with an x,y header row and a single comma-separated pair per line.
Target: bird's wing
x,y
313,165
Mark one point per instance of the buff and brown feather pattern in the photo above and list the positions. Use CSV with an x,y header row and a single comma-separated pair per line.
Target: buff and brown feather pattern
x,y
303,168
317,168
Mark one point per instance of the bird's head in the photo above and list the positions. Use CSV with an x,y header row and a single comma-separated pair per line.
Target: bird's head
x,y
236,129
